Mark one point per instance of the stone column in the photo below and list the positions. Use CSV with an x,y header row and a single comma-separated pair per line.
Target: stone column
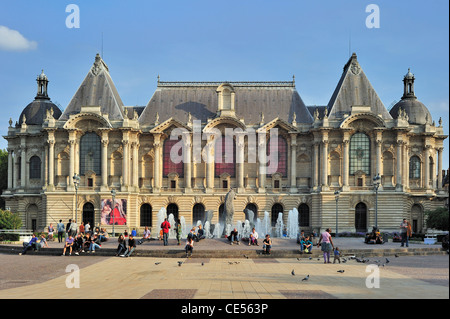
x,y
316,166
346,143
23,162
72,161
324,169
51,163
105,142
399,166
406,165
157,171
135,177
262,157
439,177
16,169
45,165
10,169
293,163
240,144
187,161
210,163
125,161
426,168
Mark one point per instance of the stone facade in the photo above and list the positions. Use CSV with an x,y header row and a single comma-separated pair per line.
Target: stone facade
x,y
340,147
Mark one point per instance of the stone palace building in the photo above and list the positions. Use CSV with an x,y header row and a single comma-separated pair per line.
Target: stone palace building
x,y
322,152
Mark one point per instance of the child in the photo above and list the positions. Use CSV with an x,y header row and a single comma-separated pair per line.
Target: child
x,y
337,255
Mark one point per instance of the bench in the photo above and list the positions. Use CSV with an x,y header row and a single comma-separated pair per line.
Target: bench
x,y
25,235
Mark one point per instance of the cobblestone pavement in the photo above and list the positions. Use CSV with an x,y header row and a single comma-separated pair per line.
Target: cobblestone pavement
x,y
214,278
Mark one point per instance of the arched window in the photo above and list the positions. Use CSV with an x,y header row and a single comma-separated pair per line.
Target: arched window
x,y
280,153
414,167
90,153
276,209
254,209
146,215
361,217
303,215
35,167
168,165
198,213
88,214
225,156
172,209
360,153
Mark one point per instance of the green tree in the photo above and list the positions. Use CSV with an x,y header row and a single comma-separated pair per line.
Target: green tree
x,y
438,218
9,220
3,175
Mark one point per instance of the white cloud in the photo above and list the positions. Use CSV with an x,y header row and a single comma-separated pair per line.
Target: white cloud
x,y
12,40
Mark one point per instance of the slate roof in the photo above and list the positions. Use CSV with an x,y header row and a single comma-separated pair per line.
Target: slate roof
x,y
354,89
273,99
97,89
36,111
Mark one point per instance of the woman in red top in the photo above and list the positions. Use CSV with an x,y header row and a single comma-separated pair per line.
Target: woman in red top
x,y
115,217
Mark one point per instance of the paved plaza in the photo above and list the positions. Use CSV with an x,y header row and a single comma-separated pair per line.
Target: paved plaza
x,y
106,277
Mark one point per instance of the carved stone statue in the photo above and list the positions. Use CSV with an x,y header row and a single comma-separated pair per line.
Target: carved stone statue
x,y
228,210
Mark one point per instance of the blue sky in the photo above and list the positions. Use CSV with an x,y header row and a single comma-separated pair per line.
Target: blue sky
x,y
245,40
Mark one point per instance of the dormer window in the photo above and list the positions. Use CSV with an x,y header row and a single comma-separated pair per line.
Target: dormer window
x,y
225,95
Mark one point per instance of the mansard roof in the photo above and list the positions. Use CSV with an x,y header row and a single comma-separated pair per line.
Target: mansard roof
x,y
354,89
178,99
97,89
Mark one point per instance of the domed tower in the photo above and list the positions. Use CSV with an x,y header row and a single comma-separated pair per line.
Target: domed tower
x,y
417,112
35,112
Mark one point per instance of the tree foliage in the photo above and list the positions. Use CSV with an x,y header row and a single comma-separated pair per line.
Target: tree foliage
x,y
9,220
438,218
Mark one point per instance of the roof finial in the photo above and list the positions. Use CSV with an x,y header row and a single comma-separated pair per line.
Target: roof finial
x,y
158,78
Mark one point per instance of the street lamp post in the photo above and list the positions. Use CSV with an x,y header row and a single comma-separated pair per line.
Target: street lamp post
x,y
336,196
113,193
76,183
376,185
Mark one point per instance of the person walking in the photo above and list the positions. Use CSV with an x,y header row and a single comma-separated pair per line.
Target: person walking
x,y
179,231
165,226
51,229
60,228
73,228
327,245
405,230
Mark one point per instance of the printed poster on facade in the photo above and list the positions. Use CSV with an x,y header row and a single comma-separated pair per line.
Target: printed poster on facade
x,y
114,214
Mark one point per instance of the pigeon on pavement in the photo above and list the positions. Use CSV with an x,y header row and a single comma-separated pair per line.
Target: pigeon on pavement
x,y
341,271
293,272
306,278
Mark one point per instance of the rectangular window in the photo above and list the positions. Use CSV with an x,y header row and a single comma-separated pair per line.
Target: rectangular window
x,y
360,154
173,184
276,184
90,182
360,182
224,184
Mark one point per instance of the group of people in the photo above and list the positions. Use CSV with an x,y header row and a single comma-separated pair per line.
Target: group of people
x,y
252,239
